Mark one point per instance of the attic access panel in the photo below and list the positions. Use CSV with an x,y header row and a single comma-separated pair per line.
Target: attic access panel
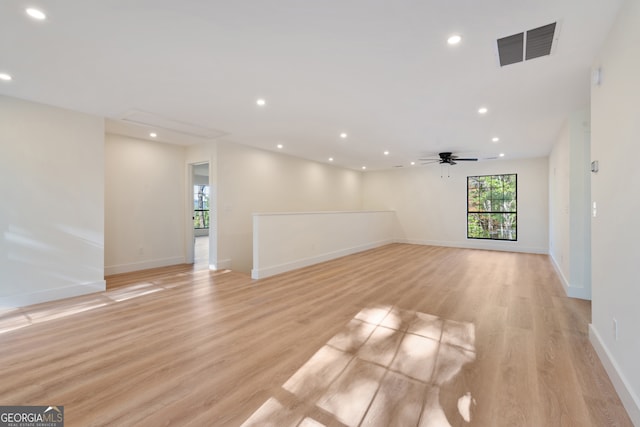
x,y
526,45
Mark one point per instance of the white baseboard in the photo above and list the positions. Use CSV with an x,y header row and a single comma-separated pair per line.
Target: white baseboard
x,y
261,273
629,399
479,244
142,265
571,291
22,300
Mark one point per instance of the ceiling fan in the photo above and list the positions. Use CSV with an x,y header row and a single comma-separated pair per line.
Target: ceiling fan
x,y
447,158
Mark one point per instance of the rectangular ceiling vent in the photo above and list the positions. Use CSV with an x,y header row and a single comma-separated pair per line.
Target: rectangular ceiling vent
x,y
510,49
526,45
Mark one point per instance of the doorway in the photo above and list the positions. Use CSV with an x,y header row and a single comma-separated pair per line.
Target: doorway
x,y
201,215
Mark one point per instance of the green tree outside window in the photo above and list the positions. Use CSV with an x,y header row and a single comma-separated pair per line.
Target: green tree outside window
x,y
492,207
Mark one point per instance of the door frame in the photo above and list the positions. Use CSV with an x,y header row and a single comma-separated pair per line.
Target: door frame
x,y
189,214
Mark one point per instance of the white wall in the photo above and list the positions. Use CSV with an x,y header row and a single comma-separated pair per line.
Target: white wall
x,y
615,137
52,209
559,200
252,180
286,241
145,199
432,210
579,209
569,211
200,180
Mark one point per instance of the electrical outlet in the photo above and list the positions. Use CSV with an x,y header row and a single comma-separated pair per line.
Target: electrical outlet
x,y
615,328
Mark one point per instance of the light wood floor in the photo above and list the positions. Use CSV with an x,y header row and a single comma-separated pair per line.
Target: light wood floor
x,y
201,253
402,335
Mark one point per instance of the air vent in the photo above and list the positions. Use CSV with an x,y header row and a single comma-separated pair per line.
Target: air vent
x,y
539,41
510,49
524,46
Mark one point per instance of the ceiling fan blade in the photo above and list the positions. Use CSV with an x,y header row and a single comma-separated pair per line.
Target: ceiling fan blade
x,y
445,158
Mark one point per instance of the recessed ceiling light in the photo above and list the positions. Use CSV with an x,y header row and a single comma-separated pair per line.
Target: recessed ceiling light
x,y
495,139
454,39
6,77
501,154
386,153
261,102
153,134
482,110
280,146
364,167
343,135
413,163
331,159
36,14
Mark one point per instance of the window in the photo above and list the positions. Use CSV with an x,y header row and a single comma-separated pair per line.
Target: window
x,y
200,206
492,207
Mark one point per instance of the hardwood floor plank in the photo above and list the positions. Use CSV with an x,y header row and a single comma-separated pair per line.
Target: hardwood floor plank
x,y
517,380
398,402
397,335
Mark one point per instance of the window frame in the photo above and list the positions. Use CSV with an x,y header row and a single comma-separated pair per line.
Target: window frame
x,y
515,212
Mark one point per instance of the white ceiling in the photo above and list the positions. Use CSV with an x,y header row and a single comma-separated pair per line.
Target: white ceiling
x,y
379,70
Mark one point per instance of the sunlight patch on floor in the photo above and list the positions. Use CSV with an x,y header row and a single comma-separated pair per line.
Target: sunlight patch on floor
x,y
134,291
18,318
385,367
51,312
